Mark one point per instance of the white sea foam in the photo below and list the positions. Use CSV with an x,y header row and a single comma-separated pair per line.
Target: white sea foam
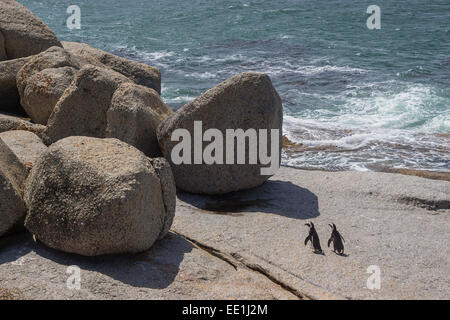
x,y
313,70
341,147
284,67
201,75
178,99
416,107
379,105
156,55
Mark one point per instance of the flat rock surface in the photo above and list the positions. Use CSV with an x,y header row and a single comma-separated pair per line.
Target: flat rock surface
x,y
173,269
249,245
399,223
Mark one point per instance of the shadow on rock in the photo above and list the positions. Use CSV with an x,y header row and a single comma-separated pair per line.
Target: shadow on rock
x,y
274,196
155,268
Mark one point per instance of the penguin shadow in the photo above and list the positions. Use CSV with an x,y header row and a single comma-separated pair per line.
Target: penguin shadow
x,y
345,255
275,196
155,268
322,253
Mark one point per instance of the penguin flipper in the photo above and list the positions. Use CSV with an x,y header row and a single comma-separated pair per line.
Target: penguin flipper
x,y
340,236
308,238
329,241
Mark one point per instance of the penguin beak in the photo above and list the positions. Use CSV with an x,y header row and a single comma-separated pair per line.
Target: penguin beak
x,y
330,225
307,224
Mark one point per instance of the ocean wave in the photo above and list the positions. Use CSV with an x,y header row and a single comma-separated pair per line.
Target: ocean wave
x,y
335,146
418,107
314,70
178,99
157,58
157,55
201,75
388,105
282,67
218,59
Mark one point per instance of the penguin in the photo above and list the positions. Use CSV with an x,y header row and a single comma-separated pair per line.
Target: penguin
x,y
314,238
337,240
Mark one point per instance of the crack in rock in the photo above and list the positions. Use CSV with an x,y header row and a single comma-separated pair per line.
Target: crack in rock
x,y
236,261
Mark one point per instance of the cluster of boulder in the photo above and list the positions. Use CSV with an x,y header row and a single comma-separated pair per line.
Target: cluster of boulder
x,y
85,141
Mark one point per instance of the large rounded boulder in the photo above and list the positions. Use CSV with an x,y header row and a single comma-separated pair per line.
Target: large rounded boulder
x,y
139,73
54,57
12,180
2,48
94,196
23,33
43,91
246,101
42,81
9,95
26,145
103,103
134,115
82,109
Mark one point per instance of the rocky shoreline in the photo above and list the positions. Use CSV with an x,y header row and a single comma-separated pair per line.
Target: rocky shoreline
x,y
90,181
249,245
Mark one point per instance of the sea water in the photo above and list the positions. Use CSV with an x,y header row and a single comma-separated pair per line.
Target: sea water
x,y
354,98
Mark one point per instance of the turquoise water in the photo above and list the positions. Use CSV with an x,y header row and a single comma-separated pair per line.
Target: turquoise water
x,y
354,98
